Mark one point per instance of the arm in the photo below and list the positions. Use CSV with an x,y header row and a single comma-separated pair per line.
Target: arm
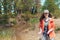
x,y
40,29
52,27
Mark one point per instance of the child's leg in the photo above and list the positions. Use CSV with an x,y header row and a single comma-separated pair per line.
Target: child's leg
x,y
52,38
43,38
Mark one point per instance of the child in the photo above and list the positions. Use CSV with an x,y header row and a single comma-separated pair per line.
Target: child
x,y
47,26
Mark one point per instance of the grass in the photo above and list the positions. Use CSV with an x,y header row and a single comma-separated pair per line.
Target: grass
x,y
5,34
34,20
57,29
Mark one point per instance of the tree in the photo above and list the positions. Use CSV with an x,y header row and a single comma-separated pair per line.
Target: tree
x,y
2,6
24,5
7,5
38,5
50,5
57,2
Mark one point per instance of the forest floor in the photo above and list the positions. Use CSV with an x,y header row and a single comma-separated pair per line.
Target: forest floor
x,y
28,34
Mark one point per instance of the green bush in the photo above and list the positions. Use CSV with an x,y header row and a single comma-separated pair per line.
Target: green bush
x,y
14,22
57,29
3,19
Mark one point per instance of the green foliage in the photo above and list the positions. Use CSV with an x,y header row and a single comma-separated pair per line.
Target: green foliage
x,y
50,5
14,21
24,4
13,15
6,33
57,13
57,2
4,19
57,29
34,20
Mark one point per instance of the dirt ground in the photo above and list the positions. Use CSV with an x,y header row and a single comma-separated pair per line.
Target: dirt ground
x,y
33,34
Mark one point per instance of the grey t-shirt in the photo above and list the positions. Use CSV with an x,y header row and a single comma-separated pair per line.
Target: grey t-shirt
x,y
45,26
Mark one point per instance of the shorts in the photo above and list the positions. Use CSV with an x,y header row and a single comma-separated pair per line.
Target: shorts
x,y
46,38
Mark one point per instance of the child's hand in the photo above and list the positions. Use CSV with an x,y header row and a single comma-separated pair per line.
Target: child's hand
x,y
49,31
39,32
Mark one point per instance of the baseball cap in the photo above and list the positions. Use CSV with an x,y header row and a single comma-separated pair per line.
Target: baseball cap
x,y
46,11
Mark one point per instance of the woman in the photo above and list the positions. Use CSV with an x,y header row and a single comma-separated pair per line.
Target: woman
x,y
47,26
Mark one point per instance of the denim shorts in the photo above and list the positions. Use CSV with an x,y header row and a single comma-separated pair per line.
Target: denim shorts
x,y
47,38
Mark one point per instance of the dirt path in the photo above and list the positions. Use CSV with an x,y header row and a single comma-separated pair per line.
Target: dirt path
x,y
33,34
30,34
